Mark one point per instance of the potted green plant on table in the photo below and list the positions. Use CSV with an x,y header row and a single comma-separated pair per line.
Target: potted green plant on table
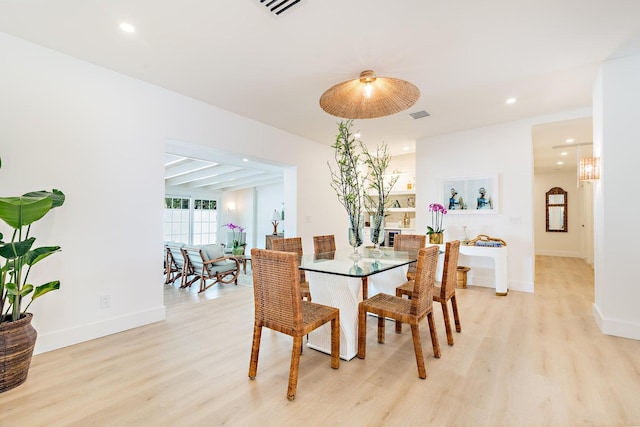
x,y
348,182
18,256
239,243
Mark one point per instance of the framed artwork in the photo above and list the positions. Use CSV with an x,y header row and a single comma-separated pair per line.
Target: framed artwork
x,y
471,195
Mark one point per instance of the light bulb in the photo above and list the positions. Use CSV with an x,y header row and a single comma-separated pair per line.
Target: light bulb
x,y
368,90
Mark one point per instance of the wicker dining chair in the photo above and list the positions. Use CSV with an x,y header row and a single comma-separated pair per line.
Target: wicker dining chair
x,y
323,244
293,244
276,284
409,242
406,311
446,291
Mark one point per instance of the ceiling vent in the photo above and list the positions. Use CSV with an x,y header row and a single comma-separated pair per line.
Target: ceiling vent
x,y
279,6
419,114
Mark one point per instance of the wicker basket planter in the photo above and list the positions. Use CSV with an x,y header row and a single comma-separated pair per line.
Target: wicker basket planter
x,y
17,340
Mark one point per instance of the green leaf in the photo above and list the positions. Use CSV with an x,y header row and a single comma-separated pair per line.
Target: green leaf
x,y
26,290
12,288
39,254
21,211
16,249
47,287
57,196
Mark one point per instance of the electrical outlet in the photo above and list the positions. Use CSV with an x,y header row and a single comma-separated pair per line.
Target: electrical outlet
x,y
105,301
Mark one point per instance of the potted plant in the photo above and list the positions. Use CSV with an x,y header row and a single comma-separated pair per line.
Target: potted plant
x,y
377,198
238,238
435,230
17,257
348,182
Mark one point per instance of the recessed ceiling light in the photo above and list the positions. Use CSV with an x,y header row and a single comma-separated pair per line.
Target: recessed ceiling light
x,y
127,28
564,153
511,100
560,163
357,135
570,140
245,160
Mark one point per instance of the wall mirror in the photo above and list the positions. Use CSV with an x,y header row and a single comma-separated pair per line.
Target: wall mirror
x,y
556,206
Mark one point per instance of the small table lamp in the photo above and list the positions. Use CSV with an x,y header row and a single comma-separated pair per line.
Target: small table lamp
x,y
275,217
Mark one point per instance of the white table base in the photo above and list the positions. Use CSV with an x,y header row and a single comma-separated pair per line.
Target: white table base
x,y
343,293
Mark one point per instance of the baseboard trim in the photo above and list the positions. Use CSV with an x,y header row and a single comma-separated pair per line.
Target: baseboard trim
x,y
569,254
71,336
615,327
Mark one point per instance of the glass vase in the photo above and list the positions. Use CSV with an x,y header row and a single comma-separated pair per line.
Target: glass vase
x,y
355,235
377,232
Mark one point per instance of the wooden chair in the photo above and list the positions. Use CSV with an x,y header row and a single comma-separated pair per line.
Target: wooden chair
x,y
406,311
209,266
173,263
293,244
323,244
447,289
276,286
409,242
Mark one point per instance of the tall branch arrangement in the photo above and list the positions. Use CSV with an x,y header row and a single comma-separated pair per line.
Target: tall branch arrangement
x,y
378,164
346,180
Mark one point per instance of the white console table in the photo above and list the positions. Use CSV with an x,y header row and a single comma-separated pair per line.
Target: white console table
x,y
499,255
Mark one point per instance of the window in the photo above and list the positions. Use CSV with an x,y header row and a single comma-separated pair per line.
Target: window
x,y
205,221
176,219
190,223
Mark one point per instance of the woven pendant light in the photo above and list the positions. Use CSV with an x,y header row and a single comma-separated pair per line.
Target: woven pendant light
x,y
369,96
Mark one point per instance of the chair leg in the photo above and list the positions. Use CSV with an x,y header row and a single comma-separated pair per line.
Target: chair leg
x,y
381,326
398,323
456,316
434,336
335,342
362,332
398,327
295,366
417,346
447,322
255,349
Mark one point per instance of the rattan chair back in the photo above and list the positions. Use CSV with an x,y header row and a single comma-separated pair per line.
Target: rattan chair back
x,y
290,244
276,286
422,296
409,242
449,272
323,244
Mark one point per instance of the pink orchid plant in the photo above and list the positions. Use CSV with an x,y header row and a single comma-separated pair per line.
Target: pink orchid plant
x,y
236,237
437,214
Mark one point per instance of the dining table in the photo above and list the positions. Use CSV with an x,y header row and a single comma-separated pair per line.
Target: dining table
x,y
340,279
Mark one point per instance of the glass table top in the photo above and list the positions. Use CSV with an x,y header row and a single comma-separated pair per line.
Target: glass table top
x,y
371,261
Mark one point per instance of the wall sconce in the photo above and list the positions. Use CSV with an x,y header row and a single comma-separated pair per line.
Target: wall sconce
x,y
275,217
589,169
231,207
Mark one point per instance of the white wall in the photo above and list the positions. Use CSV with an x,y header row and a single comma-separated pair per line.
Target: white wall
x,y
100,137
269,197
506,150
616,141
567,244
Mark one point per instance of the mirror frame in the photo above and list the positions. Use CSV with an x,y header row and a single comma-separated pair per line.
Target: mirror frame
x,y
552,192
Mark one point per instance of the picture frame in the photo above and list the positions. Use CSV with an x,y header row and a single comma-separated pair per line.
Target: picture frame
x,y
462,195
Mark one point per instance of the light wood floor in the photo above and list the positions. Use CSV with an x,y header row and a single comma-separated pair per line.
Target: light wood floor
x,y
521,360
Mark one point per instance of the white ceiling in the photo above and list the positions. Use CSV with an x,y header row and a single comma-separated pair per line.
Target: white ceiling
x,y
466,57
